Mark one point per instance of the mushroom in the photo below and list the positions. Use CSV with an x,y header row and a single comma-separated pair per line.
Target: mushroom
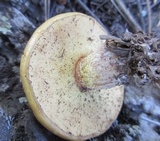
x,y
70,78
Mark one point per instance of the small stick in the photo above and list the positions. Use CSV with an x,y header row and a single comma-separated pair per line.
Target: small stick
x,y
120,6
91,13
149,16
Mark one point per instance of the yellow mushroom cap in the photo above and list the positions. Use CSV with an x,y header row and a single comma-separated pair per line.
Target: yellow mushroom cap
x,y
48,76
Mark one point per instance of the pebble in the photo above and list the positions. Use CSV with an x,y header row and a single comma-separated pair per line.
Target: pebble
x,y
22,100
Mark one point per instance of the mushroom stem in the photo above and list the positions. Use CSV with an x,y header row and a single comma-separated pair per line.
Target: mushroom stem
x,y
98,70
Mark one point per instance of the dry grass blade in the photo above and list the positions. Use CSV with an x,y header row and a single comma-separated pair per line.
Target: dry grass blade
x,y
149,16
155,4
151,121
103,3
47,9
141,17
91,13
120,6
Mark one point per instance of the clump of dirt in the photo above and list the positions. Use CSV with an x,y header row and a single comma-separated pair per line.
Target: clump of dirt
x,y
142,55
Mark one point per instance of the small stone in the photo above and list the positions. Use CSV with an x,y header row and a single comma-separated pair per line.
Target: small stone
x,y
22,100
4,87
16,69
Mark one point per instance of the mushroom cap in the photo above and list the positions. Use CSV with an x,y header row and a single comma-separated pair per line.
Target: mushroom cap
x,y
48,76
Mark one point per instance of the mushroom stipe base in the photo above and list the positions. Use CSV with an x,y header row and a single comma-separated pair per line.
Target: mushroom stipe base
x,y
62,49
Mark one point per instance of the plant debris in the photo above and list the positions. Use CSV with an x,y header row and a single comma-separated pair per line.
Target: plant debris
x,y
142,55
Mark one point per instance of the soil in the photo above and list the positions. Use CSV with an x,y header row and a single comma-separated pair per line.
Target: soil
x,y
18,21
